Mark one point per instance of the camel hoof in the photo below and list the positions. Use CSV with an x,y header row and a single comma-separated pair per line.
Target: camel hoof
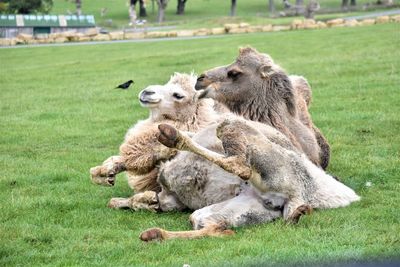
x,y
153,234
300,211
168,135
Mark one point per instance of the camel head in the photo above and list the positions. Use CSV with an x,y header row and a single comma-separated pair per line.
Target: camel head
x,y
174,100
252,77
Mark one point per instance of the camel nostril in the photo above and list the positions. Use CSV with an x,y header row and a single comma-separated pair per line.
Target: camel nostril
x,y
145,92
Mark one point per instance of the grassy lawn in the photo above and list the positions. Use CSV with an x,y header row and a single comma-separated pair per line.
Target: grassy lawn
x,y
198,13
60,116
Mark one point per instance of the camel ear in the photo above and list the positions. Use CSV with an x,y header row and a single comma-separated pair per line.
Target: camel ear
x,y
265,71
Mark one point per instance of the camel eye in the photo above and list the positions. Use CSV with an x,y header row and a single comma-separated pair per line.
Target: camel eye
x,y
178,96
233,74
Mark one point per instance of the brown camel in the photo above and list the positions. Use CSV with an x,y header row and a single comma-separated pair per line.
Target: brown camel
x,y
258,89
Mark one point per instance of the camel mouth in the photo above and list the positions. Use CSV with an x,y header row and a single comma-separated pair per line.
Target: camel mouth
x,y
111,181
148,102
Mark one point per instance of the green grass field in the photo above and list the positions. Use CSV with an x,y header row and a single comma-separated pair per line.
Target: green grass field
x,y
198,13
60,116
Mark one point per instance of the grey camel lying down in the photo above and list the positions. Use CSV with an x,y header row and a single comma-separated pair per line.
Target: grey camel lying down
x,y
286,182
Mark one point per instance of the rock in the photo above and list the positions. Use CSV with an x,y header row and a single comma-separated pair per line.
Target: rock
x,y
84,38
119,35
134,35
156,34
278,28
267,28
19,41
32,41
237,30
321,25
172,34
68,34
297,24
351,23
91,32
24,36
243,25
60,39
202,32
252,29
367,22
75,37
335,22
185,33
395,18
230,26
218,31
101,37
382,19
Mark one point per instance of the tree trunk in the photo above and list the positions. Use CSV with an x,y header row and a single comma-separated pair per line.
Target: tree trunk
x,y
299,9
78,4
162,5
132,12
142,10
345,4
233,8
271,7
180,10
353,2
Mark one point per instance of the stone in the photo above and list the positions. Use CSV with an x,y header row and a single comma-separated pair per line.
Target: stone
x,y
243,25
230,26
351,23
134,35
68,34
60,39
237,30
156,34
101,37
267,28
321,25
395,18
278,28
119,35
91,32
367,22
24,36
172,34
218,31
335,22
185,33
202,32
382,19
297,24
84,39
75,37
255,28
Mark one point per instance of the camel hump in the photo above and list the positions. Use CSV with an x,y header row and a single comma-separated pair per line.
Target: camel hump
x,y
301,85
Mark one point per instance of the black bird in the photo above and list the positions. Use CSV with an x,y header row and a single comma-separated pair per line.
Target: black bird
x,y
125,85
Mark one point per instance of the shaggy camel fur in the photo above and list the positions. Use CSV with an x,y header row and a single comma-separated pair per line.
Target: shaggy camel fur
x,y
258,89
175,103
270,168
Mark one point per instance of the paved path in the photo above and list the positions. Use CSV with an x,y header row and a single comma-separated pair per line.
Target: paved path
x,y
376,14
150,40
371,15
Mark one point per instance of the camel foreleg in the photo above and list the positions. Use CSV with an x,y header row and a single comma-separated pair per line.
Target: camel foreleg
x,y
142,201
158,234
105,173
173,138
